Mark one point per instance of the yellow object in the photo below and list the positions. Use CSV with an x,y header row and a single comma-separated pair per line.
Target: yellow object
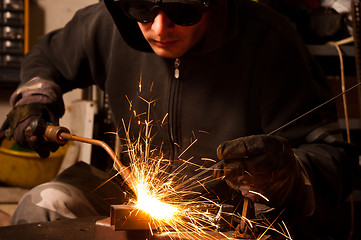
x,y
23,168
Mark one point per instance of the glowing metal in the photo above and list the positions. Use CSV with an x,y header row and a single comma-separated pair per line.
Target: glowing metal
x,y
153,206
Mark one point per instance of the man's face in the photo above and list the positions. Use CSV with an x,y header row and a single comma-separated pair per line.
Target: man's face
x,y
170,40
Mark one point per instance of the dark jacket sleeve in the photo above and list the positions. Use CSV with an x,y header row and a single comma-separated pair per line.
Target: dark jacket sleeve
x,y
292,84
332,166
73,56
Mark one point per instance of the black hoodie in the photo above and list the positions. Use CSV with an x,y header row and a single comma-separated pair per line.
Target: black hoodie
x,y
251,75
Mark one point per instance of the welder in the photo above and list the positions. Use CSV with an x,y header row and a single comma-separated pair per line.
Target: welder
x,y
228,72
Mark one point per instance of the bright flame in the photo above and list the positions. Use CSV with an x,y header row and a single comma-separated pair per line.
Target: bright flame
x,y
155,207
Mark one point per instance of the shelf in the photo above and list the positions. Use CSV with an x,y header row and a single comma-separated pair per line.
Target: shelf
x,y
15,25
354,123
14,40
20,39
329,51
13,10
13,53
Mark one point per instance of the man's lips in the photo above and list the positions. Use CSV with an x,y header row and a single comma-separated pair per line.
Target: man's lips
x,y
165,44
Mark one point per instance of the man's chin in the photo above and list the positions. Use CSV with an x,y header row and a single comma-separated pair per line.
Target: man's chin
x,y
167,53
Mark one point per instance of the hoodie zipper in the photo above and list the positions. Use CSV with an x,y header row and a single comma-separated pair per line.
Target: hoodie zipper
x,y
173,97
176,68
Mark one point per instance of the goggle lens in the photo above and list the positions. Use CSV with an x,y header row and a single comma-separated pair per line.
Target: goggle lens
x,y
140,11
184,14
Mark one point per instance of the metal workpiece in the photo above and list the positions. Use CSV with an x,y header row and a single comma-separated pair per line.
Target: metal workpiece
x,y
126,222
129,217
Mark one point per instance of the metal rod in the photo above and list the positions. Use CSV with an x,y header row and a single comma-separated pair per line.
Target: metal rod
x,y
313,109
271,133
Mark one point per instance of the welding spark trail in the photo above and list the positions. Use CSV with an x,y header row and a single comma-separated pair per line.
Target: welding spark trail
x,y
184,212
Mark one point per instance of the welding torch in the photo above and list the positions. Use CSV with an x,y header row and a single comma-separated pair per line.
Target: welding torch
x,y
62,135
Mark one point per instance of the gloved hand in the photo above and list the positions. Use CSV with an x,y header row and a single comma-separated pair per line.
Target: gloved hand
x,y
36,103
260,164
27,124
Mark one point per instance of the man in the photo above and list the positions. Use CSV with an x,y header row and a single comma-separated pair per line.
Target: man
x,y
217,69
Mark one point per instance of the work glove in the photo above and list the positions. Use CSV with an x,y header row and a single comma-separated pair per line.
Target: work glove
x,y
35,104
264,168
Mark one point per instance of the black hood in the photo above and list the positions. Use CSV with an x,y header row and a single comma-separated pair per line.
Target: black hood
x,y
223,25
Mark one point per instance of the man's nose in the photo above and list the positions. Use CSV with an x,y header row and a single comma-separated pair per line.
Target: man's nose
x,y
161,23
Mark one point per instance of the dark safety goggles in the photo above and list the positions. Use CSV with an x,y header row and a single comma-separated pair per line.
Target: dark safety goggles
x,y
184,13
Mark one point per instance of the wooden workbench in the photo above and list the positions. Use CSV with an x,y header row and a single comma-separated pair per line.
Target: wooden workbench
x,y
79,229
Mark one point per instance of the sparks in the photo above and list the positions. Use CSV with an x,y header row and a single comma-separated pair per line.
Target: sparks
x,y
259,194
173,205
155,188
